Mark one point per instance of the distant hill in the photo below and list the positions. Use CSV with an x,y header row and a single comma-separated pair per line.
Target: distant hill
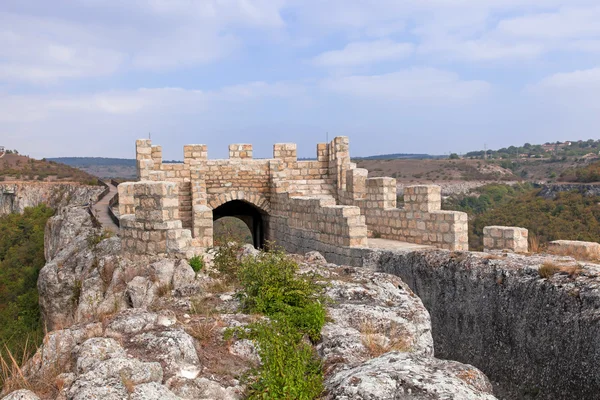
x,y
16,167
102,167
579,148
93,161
400,156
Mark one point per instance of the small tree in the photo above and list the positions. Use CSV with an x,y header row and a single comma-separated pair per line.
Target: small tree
x,y
454,156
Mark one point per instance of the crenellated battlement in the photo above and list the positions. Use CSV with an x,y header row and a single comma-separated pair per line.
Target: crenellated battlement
x,y
303,205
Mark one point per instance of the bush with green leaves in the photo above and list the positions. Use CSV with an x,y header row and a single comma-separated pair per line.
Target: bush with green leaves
x,y
294,304
226,260
197,263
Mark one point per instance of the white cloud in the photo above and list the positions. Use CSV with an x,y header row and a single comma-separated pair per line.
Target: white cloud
x,y
364,53
417,85
565,23
582,79
44,51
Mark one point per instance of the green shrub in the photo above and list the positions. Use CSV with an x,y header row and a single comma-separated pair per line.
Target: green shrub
x,y
226,260
291,369
270,285
197,263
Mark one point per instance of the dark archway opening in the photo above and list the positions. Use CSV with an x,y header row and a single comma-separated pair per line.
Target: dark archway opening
x,y
252,216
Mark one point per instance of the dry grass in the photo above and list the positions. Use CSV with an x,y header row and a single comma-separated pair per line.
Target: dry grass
x,y
205,330
550,268
534,243
206,306
218,286
376,344
164,290
44,384
106,274
127,382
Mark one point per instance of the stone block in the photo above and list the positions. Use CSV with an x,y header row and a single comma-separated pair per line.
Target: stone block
x,y
505,238
574,248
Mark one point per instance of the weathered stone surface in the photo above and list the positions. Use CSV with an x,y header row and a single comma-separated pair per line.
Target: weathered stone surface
x,y
96,350
172,347
183,276
205,389
15,197
140,292
168,353
112,378
152,391
575,248
371,314
505,238
21,395
70,286
528,334
405,376
131,322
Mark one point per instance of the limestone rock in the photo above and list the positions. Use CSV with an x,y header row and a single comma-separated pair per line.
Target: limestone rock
x,y
372,313
131,322
113,378
183,276
405,376
70,285
314,257
140,292
21,395
96,350
248,250
152,391
15,197
174,348
205,389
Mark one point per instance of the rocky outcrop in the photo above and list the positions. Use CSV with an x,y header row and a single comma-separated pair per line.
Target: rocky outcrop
x,y
533,336
587,189
378,343
15,197
155,330
454,187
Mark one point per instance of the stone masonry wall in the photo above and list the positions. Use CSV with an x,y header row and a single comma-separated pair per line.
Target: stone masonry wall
x,y
327,200
154,228
316,219
420,221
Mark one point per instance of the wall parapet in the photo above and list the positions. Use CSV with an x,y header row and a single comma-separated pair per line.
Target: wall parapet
x,y
154,228
328,200
505,238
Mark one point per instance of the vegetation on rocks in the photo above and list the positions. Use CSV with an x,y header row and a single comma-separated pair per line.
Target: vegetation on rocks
x,y
570,216
587,174
21,258
269,284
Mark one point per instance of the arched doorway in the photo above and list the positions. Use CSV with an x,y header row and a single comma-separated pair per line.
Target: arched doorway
x,y
251,215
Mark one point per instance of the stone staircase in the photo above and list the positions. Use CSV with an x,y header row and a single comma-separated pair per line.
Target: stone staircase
x,y
185,204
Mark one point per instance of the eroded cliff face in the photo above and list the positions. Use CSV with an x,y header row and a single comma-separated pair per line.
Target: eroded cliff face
x,y
154,330
15,197
536,338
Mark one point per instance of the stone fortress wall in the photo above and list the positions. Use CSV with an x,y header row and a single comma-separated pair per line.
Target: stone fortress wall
x,y
320,205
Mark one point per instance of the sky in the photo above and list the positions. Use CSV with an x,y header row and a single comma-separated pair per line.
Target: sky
x,y
88,77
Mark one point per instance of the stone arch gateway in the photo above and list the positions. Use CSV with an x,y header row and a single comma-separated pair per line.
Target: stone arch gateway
x,y
324,204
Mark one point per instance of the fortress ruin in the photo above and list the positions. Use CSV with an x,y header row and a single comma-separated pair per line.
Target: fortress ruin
x,y
328,204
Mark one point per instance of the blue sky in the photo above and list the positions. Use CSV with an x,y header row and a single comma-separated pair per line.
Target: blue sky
x,y
88,77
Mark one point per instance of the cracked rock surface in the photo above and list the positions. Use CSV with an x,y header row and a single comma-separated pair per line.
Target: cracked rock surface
x,y
155,330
